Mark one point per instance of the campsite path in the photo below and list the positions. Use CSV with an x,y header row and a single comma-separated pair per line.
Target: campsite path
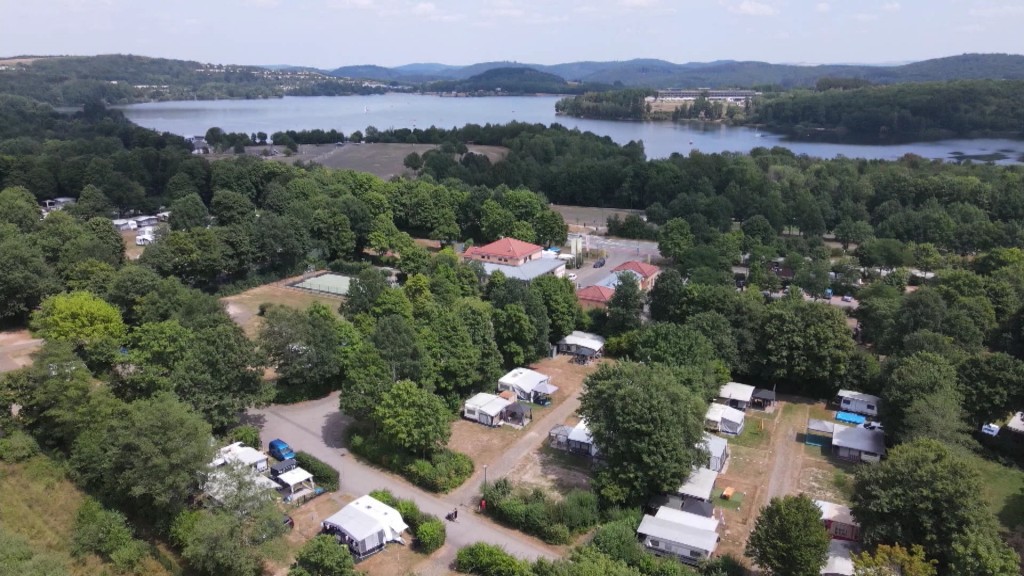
x,y
506,462
788,454
317,427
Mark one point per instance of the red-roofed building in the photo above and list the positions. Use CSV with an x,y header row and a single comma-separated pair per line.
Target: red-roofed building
x,y
595,296
646,272
508,251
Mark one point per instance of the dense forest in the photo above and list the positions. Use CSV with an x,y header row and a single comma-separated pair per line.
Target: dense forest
x,y
613,105
142,353
122,79
508,81
901,112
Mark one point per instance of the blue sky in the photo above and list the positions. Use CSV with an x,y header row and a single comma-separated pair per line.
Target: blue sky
x,y
330,33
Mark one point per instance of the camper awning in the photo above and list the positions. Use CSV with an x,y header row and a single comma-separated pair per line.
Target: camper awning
x,y
850,418
820,427
546,388
700,484
294,477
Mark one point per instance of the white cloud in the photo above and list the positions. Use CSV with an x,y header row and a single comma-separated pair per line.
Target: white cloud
x,y
997,10
424,8
752,8
822,7
638,3
362,4
891,7
865,17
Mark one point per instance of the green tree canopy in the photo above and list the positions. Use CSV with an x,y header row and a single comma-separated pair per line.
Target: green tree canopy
x,y
413,418
789,538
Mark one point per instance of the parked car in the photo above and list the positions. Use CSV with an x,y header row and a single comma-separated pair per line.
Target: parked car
x,y
848,298
280,450
599,263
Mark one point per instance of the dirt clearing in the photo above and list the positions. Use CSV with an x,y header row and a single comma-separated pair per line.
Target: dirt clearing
x,y
16,348
587,219
244,308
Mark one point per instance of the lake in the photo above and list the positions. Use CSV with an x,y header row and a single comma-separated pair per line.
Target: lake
x,y
351,113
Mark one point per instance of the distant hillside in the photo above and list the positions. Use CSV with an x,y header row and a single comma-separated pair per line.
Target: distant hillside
x,y
122,79
507,81
719,74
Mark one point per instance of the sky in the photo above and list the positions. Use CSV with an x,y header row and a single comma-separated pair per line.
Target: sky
x,y
331,33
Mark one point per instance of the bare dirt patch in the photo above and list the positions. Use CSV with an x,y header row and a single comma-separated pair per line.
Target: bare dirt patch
x,y
482,443
584,219
16,61
16,348
557,471
244,308
131,251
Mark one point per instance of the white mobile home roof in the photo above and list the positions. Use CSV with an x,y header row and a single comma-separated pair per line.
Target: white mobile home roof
x,y
736,391
719,412
836,512
527,271
840,562
294,476
854,395
858,438
523,379
687,518
700,484
714,444
487,403
680,533
581,433
365,516
238,453
585,339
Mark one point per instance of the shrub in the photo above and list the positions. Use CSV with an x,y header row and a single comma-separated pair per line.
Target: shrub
x,y
107,534
410,513
444,471
248,435
489,560
323,474
384,496
322,555
535,512
18,447
430,535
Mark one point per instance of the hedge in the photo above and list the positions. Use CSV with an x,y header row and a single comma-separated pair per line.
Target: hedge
x,y
490,560
443,472
429,530
324,474
536,512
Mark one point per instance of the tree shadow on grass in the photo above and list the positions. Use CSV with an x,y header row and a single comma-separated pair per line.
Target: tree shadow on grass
x,y
1012,514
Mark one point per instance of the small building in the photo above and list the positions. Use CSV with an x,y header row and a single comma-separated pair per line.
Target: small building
x,y
366,525
718,451
486,409
857,443
529,270
582,344
646,273
819,432
594,297
528,385
840,559
763,399
124,224
736,395
612,280
699,485
580,440
298,482
839,521
241,454
144,221
722,418
509,251
690,543
684,517
857,402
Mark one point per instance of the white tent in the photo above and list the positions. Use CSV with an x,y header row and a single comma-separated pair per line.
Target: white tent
x,y
582,343
687,542
722,418
527,384
581,441
241,454
699,485
718,451
366,525
486,409
296,478
687,518
736,395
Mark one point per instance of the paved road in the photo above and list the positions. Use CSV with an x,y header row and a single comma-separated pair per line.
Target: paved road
x,y
317,426
9,353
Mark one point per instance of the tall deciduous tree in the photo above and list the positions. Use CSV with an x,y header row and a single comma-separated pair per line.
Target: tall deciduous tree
x,y
188,212
789,538
675,239
560,301
322,556
26,279
893,561
646,425
412,418
626,307
805,343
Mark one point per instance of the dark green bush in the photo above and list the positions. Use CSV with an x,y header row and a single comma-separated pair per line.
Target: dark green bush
x,y
444,471
410,513
535,512
489,560
384,496
248,435
18,447
323,474
106,533
430,535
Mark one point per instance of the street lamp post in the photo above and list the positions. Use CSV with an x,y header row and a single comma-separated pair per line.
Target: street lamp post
x,y
485,475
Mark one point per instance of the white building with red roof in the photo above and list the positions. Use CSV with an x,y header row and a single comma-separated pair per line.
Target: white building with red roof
x,y
595,296
644,271
507,251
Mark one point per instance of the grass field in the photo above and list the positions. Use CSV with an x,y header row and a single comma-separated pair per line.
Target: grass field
x,y
244,308
38,503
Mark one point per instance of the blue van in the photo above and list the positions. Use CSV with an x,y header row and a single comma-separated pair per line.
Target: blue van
x,y
280,450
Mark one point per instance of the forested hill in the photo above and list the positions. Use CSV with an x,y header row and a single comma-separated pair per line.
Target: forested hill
x,y
720,74
117,79
510,81
901,112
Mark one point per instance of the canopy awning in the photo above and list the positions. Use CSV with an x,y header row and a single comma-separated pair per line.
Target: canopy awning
x,y
546,388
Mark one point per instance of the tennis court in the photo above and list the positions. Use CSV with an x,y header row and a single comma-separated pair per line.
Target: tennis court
x,y
335,284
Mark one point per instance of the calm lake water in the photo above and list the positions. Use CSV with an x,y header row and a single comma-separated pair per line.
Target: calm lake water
x,y
350,113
